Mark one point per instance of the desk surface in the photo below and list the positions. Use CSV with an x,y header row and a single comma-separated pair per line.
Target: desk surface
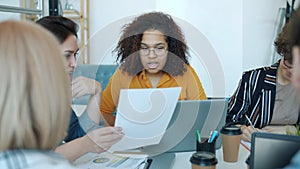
x,y
182,160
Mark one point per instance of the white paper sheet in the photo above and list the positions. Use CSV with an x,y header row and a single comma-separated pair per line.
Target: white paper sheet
x,y
246,144
144,115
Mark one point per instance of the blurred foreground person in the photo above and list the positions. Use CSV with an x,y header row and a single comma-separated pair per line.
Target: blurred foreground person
x,y
34,98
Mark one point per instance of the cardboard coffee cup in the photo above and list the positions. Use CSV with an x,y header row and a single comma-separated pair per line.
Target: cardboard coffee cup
x,y
231,137
203,160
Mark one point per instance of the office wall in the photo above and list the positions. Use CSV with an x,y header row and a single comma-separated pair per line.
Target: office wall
x,y
225,37
7,15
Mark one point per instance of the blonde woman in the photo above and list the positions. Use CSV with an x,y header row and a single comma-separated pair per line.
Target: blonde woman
x,y
34,97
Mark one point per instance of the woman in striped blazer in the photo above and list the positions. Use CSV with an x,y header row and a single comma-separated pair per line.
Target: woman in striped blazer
x,y
265,96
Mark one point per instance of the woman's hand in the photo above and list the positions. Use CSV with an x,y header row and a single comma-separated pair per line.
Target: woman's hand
x,y
102,139
82,86
247,132
96,141
279,129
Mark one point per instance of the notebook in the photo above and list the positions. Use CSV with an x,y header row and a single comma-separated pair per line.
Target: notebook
x,y
269,151
189,116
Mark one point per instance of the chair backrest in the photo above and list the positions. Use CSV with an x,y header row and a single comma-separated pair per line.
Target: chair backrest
x,y
100,73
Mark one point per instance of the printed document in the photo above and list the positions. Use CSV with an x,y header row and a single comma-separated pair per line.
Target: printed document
x,y
246,144
144,115
107,160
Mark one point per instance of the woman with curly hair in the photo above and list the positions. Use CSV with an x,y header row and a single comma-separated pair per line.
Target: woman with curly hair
x,y
265,95
152,53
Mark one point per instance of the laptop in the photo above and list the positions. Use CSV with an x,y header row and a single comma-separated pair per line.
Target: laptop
x,y
269,151
188,116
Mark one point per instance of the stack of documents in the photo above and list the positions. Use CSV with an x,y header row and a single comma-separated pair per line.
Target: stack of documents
x,y
107,160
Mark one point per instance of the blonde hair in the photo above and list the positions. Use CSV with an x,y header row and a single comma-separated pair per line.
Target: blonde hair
x,y
34,88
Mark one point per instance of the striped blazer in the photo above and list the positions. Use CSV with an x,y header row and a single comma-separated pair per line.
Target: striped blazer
x,y
255,96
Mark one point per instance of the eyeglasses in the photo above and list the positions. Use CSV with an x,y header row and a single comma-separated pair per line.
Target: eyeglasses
x,y
158,50
287,64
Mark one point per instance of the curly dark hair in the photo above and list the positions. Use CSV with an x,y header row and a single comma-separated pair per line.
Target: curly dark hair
x,y
282,42
130,43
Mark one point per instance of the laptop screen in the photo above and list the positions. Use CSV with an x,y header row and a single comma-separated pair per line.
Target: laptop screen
x,y
189,116
269,151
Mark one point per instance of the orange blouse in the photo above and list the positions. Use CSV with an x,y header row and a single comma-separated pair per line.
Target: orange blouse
x,y
191,88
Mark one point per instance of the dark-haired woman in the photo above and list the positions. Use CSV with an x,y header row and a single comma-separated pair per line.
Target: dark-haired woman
x,y
84,133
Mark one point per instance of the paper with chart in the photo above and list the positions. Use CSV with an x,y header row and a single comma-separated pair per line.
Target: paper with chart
x,y
107,160
144,115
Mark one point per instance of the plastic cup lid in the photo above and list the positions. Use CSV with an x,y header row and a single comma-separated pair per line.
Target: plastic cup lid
x,y
203,158
231,130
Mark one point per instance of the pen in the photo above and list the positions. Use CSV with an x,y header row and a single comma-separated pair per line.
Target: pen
x,y
213,136
250,122
147,164
198,136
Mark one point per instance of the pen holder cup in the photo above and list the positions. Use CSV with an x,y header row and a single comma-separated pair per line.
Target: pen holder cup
x,y
204,145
